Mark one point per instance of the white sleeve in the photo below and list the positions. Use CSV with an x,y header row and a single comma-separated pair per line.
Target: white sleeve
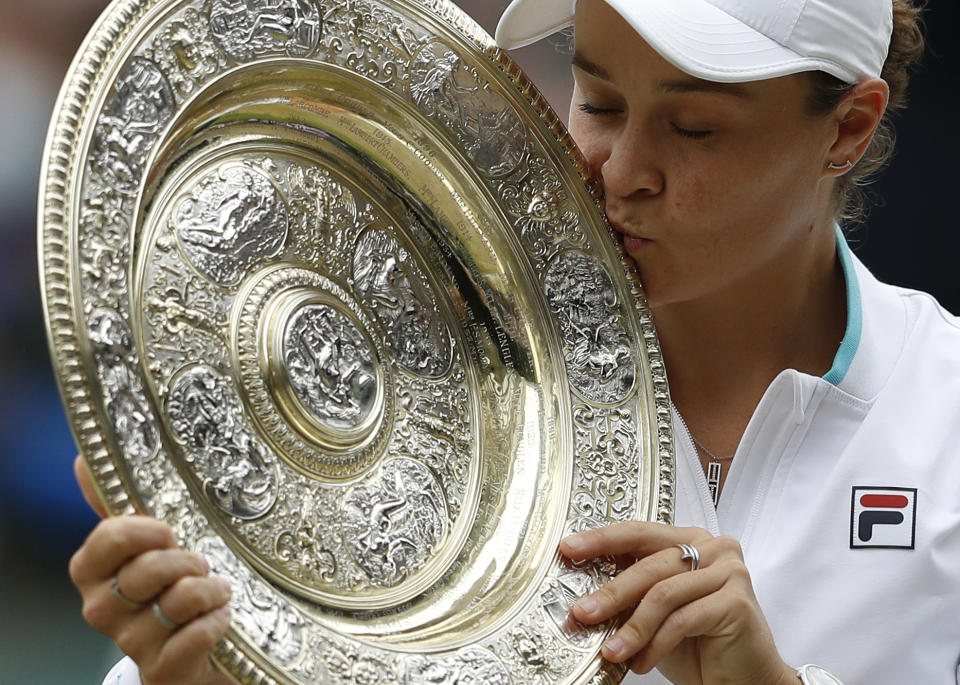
x,y
124,673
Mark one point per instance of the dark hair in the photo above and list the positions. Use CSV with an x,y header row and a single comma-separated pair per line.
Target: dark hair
x,y
906,48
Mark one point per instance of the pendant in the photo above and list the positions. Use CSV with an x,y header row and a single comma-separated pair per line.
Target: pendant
x,y
713,480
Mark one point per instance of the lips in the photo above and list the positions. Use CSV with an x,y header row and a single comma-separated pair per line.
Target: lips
x,y
631,240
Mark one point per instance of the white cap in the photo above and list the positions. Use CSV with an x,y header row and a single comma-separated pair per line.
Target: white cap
x,y
735,40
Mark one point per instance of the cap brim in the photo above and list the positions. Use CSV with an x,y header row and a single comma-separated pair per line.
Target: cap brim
x,y
527,21
693,35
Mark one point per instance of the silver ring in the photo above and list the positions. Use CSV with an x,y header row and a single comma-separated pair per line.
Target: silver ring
x,y
119,594
692,553
163,618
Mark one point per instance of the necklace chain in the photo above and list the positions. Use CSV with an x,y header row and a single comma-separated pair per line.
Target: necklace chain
x,y
698,443
706,451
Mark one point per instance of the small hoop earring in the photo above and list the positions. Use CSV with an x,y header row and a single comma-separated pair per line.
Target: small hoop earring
x,y
838,167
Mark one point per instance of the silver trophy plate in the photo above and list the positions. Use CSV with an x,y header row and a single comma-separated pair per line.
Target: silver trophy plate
x,y
329,290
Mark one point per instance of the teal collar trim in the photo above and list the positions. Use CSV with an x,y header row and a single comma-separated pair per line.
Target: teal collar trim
x,y
851,337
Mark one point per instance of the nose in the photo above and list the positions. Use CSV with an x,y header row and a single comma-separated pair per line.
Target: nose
x,y
630,169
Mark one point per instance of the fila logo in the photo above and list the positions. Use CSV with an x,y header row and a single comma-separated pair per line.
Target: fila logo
x,y
883,518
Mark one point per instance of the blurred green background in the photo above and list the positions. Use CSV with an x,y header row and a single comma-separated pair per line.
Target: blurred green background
x,y
911,239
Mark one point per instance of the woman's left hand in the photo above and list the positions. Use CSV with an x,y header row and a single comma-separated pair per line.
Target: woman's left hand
x,y
700,627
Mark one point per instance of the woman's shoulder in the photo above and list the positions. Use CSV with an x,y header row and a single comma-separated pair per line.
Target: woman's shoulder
x,y
899,340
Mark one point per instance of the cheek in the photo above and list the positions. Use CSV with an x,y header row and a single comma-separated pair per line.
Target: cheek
x,y
698,190
589,140
731,187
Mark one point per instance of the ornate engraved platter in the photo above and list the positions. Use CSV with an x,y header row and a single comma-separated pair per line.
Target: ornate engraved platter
x,y
329,291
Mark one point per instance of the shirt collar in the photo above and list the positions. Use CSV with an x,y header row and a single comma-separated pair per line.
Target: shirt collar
x,y
851,337
875,333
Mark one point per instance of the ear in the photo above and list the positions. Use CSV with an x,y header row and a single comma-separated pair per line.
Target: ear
x,y
857,118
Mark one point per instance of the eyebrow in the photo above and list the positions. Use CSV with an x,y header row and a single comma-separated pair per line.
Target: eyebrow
x,y
589,67
696,85
689,84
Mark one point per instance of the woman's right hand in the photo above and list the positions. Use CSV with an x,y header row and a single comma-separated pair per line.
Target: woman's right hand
x,y
141,553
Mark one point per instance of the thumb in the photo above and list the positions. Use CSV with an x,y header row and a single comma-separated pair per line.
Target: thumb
x,y
87,487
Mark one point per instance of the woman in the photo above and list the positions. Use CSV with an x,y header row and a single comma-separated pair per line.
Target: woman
x,y
816,409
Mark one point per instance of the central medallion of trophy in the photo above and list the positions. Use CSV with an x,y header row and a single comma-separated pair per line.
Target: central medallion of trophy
x,y
308,363
319,357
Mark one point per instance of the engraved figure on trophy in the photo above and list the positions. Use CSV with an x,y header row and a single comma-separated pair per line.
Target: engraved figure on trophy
x,y
234,219
273,625
339,662
128,127
331,367
473,666
325,218
434,425
237,471
185,54
125,398
600,363
542,211
490,132
370,40
573,581
303,547
539,663
390,283
246,29
103,230
170,310
392,526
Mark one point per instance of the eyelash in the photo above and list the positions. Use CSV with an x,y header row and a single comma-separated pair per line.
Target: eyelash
x,y
587,108
688,133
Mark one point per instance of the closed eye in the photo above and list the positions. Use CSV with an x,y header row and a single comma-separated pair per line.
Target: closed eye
x,y
692,133
587,108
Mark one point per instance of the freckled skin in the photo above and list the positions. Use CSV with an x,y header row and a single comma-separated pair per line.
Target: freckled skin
x,y
720,210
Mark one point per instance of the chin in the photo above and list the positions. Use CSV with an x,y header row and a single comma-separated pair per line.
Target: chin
x,y
659,294
649,293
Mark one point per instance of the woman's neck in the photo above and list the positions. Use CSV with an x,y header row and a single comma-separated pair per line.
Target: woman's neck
x,y
722,351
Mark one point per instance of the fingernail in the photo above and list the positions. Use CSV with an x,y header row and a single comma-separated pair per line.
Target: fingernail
x,y
588,606
224,613
574,542
572,626
204,564
614,646
225,586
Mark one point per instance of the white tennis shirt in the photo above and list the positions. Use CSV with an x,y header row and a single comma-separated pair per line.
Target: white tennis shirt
x,y
845,495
